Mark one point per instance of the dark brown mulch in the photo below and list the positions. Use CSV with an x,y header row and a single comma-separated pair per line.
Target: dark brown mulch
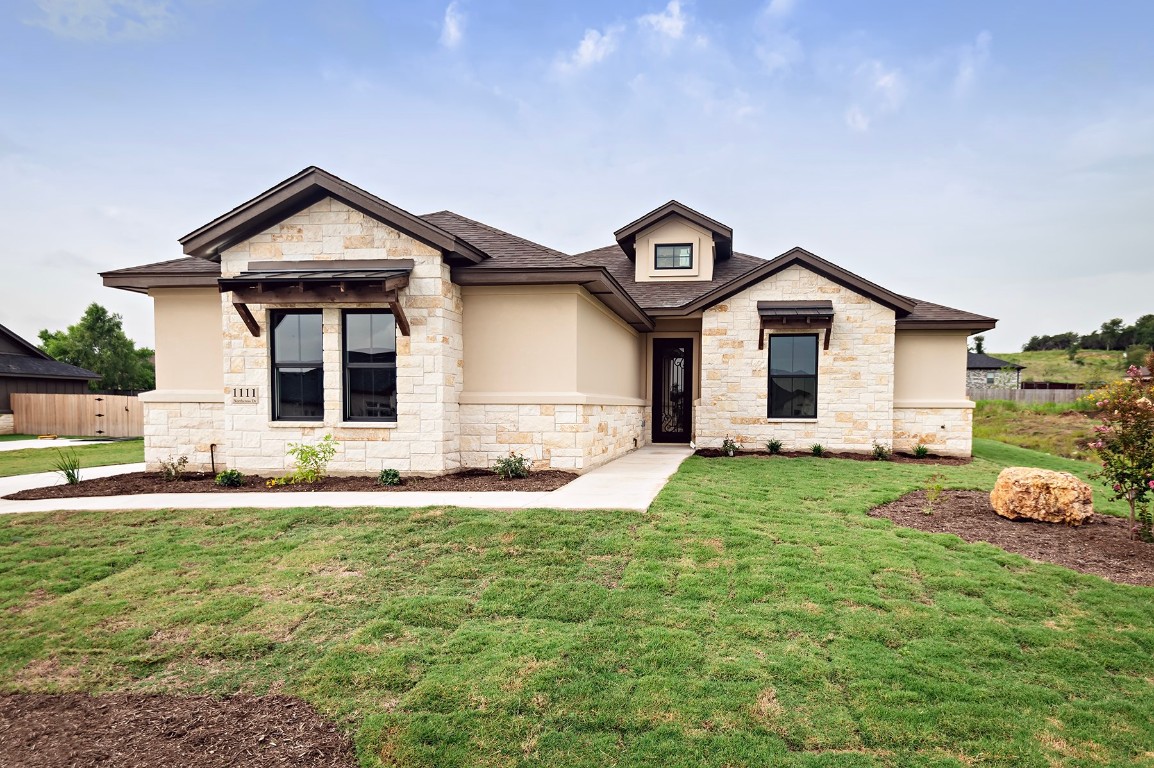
x,y
135,483
897,458
1101,545
146,731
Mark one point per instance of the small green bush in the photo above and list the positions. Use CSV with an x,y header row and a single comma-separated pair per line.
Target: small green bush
x,y
881,452
68,465
817,449
389,477
512,466
312,461
773,445
730,446
921,451
172,468
229,478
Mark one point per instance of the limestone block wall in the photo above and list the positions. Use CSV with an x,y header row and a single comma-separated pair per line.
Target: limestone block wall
x,y
573,437
425,437
7,424
190,429
855,375
1002,379
945,431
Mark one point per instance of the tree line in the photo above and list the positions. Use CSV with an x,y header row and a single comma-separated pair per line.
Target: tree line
x,y
98,343
1113,334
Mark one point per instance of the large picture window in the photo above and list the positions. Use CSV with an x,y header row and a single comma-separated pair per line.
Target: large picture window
x,y
674,256
297,367
369,369
792,377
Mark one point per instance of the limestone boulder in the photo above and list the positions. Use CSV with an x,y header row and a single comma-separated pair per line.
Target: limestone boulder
x,y
1041,494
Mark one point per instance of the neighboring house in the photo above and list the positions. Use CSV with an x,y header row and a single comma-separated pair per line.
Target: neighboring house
x,y
429,343
24,368
985,371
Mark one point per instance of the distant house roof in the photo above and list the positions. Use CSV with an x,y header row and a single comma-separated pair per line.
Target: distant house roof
x,y
977,361
30,362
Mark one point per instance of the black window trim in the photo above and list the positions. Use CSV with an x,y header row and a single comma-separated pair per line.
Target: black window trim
x,y
672,245
345,416
816,377
274,400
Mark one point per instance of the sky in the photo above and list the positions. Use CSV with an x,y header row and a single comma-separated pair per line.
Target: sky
x,y
991,156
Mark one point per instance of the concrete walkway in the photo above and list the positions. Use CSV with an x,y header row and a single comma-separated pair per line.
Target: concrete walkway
x,y
629,483
60,442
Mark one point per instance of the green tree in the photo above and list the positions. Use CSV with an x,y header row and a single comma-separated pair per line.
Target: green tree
x,y
1111,331
98,343
1144,331
980,344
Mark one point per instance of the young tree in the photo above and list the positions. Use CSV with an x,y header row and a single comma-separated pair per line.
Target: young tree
x,y
98,343
980,344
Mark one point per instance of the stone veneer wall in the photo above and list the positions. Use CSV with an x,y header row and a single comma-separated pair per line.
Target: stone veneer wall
x,y
173,429
7,424
945,431
855,375
570,437
426,435
977,379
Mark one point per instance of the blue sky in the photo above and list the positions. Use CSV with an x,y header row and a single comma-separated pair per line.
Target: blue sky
x,y
997,157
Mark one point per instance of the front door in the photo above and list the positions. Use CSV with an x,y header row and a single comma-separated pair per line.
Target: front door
x,y
672,390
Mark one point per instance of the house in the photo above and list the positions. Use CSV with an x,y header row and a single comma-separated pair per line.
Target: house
x,y
24,368
983,370
430,343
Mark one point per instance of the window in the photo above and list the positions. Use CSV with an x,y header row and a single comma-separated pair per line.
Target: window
x,y
792,377
297,367
369,368
989,378
674,256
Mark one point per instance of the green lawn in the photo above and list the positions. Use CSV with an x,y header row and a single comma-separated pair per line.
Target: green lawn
x,y
756,616
1055,428
30,460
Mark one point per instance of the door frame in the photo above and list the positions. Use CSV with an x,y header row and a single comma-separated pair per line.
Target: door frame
x,y
657,398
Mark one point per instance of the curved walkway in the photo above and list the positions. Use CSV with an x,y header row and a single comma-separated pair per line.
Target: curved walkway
x,y
629,483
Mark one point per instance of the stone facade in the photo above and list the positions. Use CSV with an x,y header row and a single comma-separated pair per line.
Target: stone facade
x,y
945,431
191,429
574,437
979,378
855,375
7,424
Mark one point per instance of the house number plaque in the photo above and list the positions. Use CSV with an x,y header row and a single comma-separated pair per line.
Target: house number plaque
x,y
245,396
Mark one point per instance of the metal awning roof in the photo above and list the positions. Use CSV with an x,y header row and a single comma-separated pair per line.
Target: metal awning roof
x,y
796,309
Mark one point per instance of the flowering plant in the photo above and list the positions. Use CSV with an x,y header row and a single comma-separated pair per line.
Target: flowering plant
x,y
1124,442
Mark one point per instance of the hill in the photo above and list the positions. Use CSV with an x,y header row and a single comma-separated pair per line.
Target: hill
x,y
1090,367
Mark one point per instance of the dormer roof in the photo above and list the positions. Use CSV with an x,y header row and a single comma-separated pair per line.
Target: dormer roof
x,y
722,235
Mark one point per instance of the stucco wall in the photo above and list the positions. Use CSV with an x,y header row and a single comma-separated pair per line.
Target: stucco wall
x,y
188,341
930,368
609,357
855,375
672,231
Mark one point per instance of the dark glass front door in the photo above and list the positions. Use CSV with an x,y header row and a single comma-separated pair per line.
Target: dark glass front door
x,y
672,390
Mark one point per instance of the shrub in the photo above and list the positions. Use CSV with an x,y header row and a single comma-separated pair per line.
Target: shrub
x,y
881,452
68,465
773,445
729,446
817,449
172,468
229,478
512,466
934,489
312,461
921,451
389,477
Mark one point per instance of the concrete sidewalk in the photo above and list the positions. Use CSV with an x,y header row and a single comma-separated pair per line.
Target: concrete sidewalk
x,y
60,442
629,483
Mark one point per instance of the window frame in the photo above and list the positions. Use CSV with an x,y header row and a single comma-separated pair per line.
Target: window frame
x,y
770,377
346,416
656,255
274,366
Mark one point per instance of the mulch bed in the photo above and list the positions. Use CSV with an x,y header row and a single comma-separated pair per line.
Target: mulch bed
x,y
1101,546
897,458
147,731
135,483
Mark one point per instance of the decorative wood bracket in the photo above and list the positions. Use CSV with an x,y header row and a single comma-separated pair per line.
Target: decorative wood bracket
x,y
246,315
399,314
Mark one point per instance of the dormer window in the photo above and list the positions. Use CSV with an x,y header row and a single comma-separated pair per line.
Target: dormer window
x,y
679,256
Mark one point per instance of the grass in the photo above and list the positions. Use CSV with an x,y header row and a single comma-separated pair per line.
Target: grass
x,y
1090,367
30,460
755,616
1054,428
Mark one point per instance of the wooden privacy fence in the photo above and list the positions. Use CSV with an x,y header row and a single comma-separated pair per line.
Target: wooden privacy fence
x,y
1025,395
81,415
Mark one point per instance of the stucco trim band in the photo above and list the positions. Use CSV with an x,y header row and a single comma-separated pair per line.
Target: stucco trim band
x,y
181,396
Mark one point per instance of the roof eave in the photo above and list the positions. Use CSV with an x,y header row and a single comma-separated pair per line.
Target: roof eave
x,y
973,326
142,282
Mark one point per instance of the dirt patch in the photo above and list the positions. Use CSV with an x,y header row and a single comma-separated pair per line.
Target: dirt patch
x,y
1100,546
897,458
135,483
144,731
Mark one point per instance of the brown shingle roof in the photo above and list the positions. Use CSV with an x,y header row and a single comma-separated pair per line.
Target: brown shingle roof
x,y
928,315
187,265
505,250
187,272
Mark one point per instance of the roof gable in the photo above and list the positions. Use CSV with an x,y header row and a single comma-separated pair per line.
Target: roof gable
x,y
722,235
302,190
26,348
980,361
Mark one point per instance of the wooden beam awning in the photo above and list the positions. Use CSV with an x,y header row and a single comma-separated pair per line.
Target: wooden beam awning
x,y
323,282
795,317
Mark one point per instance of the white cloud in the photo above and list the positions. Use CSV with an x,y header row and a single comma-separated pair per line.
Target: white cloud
x,y
881,91
453,27
779,49
104,19
669,23
594,48
972,61
780,8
